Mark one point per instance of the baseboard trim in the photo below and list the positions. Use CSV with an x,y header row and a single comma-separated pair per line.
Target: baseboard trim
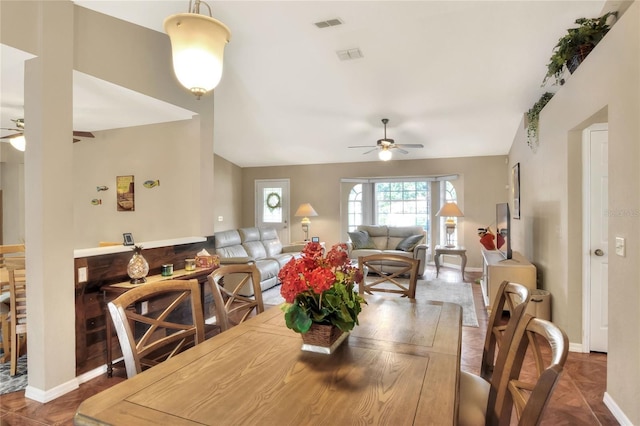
x,y
615,410
576,347
43,396
92,374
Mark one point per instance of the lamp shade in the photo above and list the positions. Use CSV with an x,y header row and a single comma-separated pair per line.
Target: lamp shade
x,y
197,45
450,210
305,210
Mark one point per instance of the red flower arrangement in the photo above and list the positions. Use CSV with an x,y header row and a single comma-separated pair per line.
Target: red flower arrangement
x,y
319,289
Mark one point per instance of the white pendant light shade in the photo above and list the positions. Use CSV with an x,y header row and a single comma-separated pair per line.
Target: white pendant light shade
x,y
197,44
384,154
18,143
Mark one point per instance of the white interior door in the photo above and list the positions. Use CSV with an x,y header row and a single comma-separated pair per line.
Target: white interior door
x,y
272,206
595,140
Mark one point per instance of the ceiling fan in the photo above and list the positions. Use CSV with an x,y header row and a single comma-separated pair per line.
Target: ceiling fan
x,y
17,139
385,145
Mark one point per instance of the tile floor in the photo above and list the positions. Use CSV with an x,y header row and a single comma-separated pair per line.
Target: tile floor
x,y
577,398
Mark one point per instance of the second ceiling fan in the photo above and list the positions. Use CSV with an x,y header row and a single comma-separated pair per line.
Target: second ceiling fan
x,y
13,138
386,145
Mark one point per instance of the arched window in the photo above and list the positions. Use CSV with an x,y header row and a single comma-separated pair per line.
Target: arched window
x,y
355,207
449,197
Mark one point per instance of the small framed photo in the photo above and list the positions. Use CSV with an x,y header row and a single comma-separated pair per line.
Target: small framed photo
x,y
315,239
128,239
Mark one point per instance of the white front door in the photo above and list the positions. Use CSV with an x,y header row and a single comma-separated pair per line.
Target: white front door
x,y
595,140
272,206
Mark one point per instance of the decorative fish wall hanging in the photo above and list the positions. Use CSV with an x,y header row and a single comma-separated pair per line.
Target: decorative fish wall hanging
x,y
151,183
102,188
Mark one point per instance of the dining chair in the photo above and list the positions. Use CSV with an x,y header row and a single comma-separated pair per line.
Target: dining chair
x,y
387,282
511,386
155,321
529,392
474,389
17,315
232,308
11,257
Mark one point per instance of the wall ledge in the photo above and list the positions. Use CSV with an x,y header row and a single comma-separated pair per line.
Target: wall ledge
x,y
97,251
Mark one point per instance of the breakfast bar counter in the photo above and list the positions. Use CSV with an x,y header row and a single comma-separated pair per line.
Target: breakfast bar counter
x,y
400,366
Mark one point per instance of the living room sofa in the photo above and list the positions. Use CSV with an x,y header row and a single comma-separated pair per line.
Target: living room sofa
x,y
406,241
259,245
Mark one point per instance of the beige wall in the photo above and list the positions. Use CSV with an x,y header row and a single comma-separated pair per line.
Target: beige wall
x,y
606,87
481,184
161,212
228,195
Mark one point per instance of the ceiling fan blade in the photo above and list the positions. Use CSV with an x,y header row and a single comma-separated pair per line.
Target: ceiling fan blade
x,y
362,146
399,149
83,134
10,128
371,150
15,135
410,145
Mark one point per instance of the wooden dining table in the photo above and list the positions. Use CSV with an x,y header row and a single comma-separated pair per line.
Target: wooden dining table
x,y
400,366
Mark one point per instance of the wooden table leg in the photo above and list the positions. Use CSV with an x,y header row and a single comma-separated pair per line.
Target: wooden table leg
x,y
463,264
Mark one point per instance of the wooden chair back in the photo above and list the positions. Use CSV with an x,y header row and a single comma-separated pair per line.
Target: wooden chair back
x,y
510,295
17,314
388,282
12,256
528,392
156,321
231,307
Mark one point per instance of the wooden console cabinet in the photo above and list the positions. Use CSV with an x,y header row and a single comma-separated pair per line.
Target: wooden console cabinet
x,y
110,268
495,269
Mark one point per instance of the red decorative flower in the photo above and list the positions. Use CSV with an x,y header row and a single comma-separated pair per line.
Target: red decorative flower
x,y
320,289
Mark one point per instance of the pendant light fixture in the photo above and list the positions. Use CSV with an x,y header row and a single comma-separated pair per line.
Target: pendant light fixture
x,y
197,45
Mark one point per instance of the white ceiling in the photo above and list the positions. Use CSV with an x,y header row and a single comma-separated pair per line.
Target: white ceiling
x,y
455,76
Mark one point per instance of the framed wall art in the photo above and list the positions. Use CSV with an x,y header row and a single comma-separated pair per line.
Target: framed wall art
x,y
125,193
515,184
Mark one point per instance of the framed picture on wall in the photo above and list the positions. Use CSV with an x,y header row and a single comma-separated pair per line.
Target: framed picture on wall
x,y
125,193
515,184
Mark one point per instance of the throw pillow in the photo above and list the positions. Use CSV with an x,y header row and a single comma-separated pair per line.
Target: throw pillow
x,y
409,243
361,240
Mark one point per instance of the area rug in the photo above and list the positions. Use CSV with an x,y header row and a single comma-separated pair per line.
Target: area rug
x,y
437,290
17,382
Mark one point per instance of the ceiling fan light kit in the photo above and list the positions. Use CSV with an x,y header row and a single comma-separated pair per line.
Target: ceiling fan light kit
x,y
19,142
197,45
384,154
385,145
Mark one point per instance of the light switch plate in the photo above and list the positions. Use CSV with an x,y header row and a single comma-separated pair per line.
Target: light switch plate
x,y
82,275
620,246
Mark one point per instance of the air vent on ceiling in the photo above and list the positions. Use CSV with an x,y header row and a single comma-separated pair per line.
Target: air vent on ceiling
x,y
328,23
347,55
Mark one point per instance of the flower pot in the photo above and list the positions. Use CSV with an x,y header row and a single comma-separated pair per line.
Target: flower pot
x,y
577,59
323,338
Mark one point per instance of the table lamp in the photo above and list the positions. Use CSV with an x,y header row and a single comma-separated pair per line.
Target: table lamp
x,y
450,210
305,210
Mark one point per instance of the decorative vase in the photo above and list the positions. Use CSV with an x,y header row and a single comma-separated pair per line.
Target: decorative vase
x,y
138,267
323,338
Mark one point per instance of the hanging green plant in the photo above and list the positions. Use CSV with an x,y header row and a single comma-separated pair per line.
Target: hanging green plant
x,y
533,119
273,201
